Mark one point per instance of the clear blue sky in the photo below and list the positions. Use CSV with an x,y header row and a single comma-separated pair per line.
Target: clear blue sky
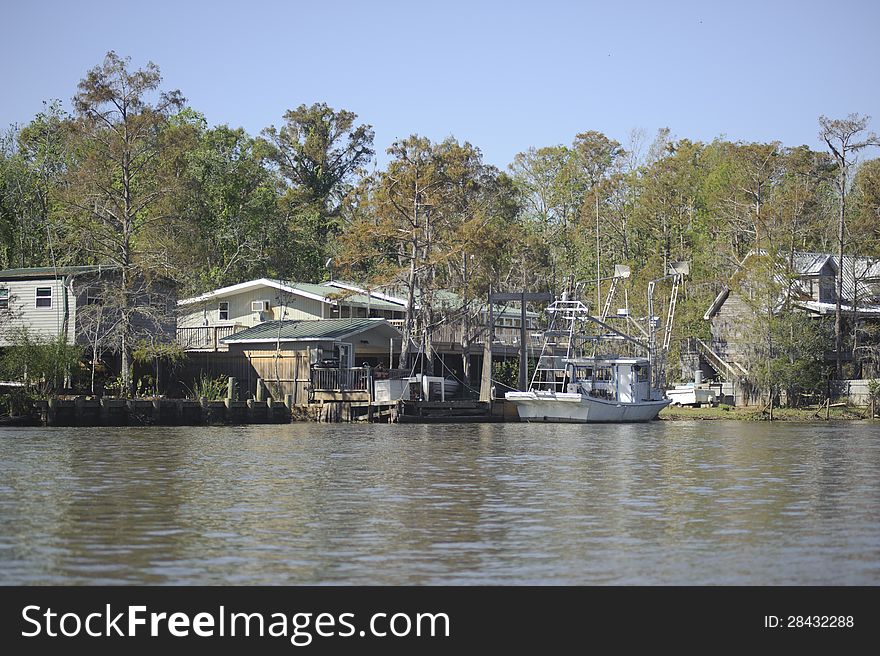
x,y
502,75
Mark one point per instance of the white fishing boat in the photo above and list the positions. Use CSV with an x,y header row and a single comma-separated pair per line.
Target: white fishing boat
x,y
571,383
595,390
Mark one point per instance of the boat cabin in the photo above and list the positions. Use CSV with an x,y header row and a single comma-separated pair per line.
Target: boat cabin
x,y
625,380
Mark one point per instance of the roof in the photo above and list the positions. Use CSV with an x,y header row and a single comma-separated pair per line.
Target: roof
x,y
444,298
861,276
37,273
717,303
831,308
307,290
811,264
340,284
309,330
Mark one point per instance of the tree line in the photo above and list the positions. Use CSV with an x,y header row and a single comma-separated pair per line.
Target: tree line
x,y
135,177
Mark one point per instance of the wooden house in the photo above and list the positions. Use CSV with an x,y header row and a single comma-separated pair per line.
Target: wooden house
x,y
812,278
308,359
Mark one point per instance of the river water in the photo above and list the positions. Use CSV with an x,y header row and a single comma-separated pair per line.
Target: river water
x,y
718,502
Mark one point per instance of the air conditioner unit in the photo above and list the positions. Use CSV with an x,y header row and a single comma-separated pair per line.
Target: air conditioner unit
x,y
259,306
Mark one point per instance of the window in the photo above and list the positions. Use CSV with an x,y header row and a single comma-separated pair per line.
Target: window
x,y
94,300
223,310
44,297
4,298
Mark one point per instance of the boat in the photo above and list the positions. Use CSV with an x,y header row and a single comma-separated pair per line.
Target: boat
x,y
690,394
571,383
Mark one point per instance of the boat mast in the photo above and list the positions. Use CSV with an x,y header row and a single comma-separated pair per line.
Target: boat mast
x,y
598,283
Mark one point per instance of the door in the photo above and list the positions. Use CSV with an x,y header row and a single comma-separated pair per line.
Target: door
x,y
625,383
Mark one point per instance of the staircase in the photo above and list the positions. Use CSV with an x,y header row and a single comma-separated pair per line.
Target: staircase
x,y
729,371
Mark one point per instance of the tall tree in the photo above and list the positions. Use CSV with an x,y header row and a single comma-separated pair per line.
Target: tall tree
x,y
320,152
33,162
118,191
845,138
231,203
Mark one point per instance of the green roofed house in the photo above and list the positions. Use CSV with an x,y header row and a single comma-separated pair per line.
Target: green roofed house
x,y
264,316
330,356
205,320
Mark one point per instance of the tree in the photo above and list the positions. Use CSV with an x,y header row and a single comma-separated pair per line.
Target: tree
x,y
118,190
320,152
845,138
436,218
33,162
42,363
230,201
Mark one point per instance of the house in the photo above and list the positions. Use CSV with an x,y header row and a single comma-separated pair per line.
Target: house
x,y
54,302
459,328
308,359
204,321
813,291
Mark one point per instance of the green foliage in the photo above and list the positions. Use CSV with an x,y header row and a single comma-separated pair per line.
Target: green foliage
x,y
874,390
209,388
147,352
506,374
41,363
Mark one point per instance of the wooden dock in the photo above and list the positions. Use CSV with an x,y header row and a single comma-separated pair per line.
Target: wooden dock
x,y
452,411
157,412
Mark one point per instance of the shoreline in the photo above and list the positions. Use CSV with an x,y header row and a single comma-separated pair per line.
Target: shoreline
x,y
755,413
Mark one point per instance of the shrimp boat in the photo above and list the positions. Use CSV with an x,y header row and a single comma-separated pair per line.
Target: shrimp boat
x,y
571,383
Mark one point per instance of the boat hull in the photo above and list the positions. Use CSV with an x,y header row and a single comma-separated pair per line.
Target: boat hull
x,y
579,408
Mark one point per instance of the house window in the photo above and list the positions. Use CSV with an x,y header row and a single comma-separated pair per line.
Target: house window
x,y
44,297
4,298
223,310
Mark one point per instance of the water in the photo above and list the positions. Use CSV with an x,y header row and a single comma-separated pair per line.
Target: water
x,y
660,503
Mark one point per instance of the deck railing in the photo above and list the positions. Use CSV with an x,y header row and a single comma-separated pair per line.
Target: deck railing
x,y
206,338
356,379
450,333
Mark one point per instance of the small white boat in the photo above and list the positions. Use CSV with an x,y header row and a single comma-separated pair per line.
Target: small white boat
x,y
691,394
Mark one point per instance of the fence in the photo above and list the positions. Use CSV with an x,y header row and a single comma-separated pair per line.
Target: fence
x,y
330,380
451,333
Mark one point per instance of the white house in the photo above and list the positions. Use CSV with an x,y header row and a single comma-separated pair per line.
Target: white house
x,y
205,320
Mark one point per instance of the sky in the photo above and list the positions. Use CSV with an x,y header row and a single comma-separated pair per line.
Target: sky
x,y
502,75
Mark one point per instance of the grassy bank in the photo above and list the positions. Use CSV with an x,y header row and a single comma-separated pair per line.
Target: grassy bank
x,y
758,414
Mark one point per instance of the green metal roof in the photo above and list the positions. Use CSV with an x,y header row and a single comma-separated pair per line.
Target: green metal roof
x,y
52,272
306,330
345,296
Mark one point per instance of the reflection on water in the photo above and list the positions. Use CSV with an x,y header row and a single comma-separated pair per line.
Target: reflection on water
x,y
661,503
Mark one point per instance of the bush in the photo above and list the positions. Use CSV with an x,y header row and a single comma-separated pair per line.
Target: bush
x,y
213,389
41,363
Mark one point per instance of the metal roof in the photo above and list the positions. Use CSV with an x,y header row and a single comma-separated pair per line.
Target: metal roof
x,y
316,292
809,264
53,272
347,297
308,330
861,280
